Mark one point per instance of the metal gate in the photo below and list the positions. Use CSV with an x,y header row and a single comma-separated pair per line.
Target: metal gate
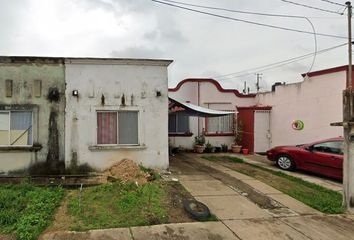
x,y
262,135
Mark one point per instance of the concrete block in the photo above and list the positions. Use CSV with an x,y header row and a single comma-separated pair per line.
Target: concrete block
x,y
207,188
238,175
196,177
101,234
264,229
199,230
323,227
261,187
233,207
293,204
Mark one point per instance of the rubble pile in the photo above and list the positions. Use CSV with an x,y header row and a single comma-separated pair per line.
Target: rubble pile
x,y
125,170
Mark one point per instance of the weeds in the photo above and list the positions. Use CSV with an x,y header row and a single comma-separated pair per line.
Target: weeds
x,y
118,205
27,210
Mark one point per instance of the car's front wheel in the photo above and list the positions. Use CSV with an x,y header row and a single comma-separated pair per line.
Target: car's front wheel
x,y
285,162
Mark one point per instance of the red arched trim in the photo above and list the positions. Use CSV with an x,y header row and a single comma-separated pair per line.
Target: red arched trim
x,y
217,85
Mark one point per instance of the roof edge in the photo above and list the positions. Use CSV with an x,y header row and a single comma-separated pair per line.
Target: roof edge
x,y
81,60
212,81
326,71
119,61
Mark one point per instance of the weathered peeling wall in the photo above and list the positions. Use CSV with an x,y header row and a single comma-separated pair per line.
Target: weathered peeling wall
x,y
29,75
139,85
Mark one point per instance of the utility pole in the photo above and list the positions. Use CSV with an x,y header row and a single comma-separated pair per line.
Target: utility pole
x,y
348,126
244,87
258,78
349,79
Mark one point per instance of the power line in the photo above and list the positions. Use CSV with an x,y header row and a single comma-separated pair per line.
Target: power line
x,y
308,6
334,3
236,11
271,66
259,14
246,21
274,65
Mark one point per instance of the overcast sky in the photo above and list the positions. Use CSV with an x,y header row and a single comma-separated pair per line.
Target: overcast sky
x,y
200,45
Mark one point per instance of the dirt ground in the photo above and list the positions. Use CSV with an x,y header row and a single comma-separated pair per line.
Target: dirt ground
x,y
62,220
7,237
174,202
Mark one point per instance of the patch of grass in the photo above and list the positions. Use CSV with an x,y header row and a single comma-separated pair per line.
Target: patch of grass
x,y
118,205
227,158
315,196
27,210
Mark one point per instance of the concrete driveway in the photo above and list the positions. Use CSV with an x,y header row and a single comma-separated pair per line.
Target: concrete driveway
x,y
251,209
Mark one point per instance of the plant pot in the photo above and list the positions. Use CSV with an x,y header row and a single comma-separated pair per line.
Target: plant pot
x,y
245,151
236,148
199,148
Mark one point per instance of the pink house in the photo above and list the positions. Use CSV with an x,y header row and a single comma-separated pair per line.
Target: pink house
x,y
268,118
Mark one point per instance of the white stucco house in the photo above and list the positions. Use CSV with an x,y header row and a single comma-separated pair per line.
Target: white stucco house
x,y
207,93
116,109
267,117
96,111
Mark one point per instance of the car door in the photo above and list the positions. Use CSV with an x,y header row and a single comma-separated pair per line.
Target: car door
x,y
326,158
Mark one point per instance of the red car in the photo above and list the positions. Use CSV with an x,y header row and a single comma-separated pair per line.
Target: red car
x,y
322,157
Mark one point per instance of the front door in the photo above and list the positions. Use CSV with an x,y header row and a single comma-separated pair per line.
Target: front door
x,y
261,130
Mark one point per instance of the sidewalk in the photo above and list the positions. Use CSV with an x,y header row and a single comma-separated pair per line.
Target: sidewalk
x,y
176,231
